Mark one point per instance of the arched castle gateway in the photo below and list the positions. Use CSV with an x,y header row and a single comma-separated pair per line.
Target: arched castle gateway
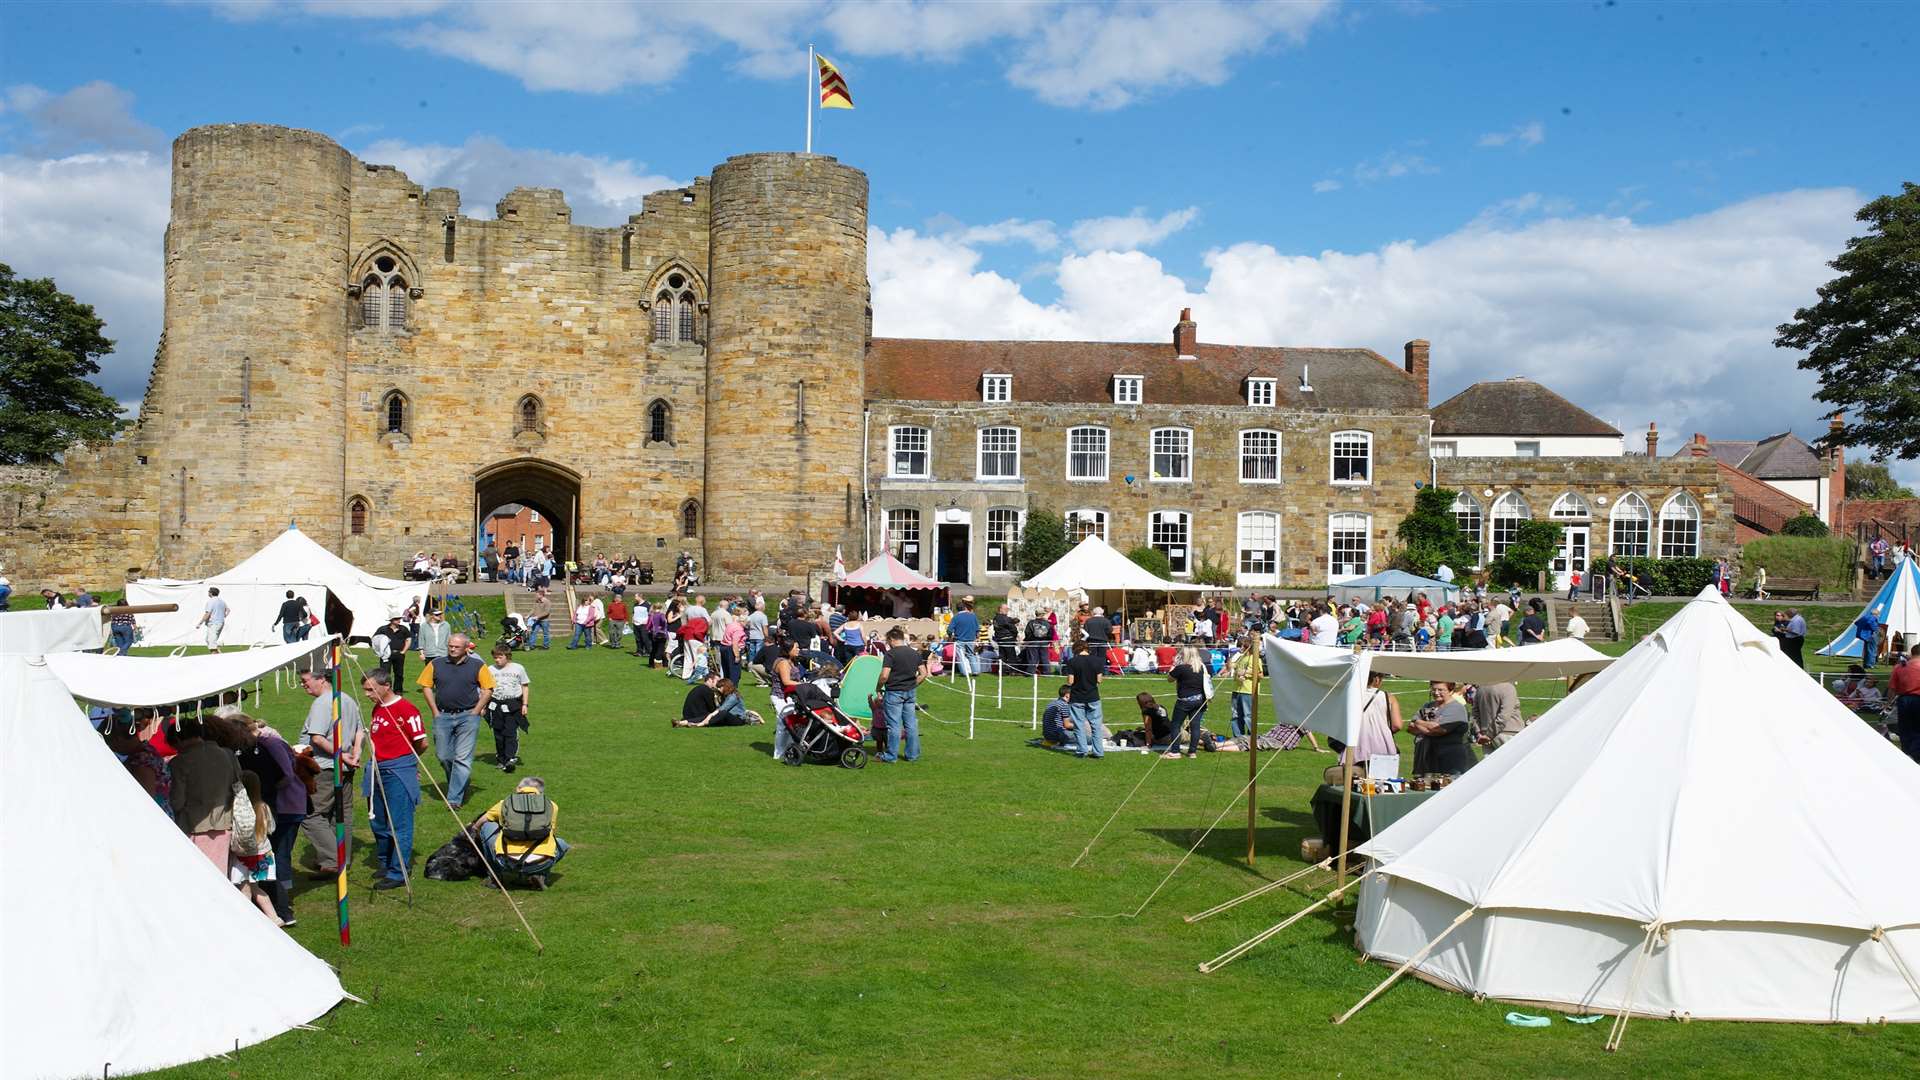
x,y
346,350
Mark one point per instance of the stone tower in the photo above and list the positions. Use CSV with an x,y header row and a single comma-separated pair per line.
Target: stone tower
x,y
255,364
785,365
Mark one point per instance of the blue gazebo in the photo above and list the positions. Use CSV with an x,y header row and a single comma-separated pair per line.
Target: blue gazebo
x,y
1393,584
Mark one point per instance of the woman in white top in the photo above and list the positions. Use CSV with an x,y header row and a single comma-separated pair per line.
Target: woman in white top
x,y
1379,722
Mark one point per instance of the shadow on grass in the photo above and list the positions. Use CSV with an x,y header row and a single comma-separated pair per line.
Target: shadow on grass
x,y
1227,844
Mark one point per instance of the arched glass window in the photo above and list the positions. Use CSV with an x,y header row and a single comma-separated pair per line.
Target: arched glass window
x,y
660,422
1466,514
397,304
689,520
527,416
1680,528
688,309
663,318
1631,528
1509,511
1570,507
395,416
372,295
1086,522
357,511
383,296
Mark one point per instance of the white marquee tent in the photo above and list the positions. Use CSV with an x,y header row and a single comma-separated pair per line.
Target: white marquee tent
x,y
256,587
1701,831
137,954
1094,569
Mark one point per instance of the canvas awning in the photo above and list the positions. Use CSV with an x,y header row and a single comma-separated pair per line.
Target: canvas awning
x,y
61,630
1393,583
883,571
135,681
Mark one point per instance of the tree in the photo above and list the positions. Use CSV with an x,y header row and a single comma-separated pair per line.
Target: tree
x,y
1873,480
1043,542
1431,536
50,344
1152,560
1863,336
1804,525
1535,543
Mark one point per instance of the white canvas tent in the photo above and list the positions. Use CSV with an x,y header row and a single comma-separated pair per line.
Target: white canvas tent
x,y
32,633
256,587
1898,607
137,954
134,681
1701,831
1094,569
1323,688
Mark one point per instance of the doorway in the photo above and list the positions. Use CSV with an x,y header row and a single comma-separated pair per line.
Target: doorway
x,y
1572,555
537,489
951,553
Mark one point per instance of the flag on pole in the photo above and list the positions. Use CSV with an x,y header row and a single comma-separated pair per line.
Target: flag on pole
x,y
833,88
839,564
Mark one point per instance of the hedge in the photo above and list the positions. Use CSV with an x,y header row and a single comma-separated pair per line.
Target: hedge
x,y
1670,577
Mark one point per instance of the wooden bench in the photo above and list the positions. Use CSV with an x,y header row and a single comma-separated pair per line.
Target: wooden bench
x,y
1793,588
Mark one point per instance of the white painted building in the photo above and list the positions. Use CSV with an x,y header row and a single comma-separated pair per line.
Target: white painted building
x,y
1519,418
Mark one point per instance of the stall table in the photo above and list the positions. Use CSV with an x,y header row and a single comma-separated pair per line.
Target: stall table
x,y
1371,813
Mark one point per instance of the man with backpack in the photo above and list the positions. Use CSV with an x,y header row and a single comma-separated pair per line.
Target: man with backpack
x,y
1039,634
519,835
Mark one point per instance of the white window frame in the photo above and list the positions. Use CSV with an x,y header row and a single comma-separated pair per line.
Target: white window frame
x,y
1478,534
1153,454
1106,454
1262,393
1240,574
1570,506
996,388
1495,548
1689,512
1275,478
1630,507
1444,448
980,452
1526,448
896,541
894,451
1098,519
1183,567
1129,389
1343,522
1008,546
1334,458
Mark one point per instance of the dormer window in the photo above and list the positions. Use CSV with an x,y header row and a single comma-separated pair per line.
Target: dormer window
x,y
1126,389
1261,393
996,388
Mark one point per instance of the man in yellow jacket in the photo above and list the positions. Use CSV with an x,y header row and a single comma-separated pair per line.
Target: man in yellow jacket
x,y
520,833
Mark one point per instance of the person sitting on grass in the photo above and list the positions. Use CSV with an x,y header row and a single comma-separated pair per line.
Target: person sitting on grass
x,y
1154,719
1858,693
519,834
731,712
1056,724
700,701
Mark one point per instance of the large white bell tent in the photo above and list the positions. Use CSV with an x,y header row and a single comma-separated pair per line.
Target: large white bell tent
x,y
1700,832
1896,606
255,588
132,952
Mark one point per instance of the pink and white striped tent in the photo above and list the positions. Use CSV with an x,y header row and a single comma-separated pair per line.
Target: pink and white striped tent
x,y
886,587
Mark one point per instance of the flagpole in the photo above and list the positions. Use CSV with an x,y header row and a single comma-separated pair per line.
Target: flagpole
x,y
810,95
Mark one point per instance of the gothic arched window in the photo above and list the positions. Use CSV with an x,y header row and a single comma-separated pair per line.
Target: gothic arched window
x,y
396,414
384,299
676,307
357,512
690,520
660,422
527,417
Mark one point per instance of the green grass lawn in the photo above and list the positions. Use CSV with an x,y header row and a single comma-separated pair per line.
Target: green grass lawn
x,y
721,915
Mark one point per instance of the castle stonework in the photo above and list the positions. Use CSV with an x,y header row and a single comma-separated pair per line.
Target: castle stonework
x,y
350,353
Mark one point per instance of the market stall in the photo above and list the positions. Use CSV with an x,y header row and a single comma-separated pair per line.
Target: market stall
x,y
884,588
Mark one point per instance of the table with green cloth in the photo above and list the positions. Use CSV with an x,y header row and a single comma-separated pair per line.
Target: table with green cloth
x,y
1370,813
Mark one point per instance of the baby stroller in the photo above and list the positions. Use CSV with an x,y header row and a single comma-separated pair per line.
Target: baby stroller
x,y
820,732
513,631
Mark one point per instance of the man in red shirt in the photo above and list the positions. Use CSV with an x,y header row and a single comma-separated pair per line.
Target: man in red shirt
x,y
392,786
1904,689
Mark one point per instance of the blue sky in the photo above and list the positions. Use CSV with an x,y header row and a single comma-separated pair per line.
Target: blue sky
x,y
1618,199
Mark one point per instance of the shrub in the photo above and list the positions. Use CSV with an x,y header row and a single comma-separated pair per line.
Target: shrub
x,y
1152,560
1535,543
1668,577
1043,542
1430,536
1208,572
1804,525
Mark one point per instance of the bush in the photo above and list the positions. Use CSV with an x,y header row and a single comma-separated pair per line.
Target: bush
x,y
1043,542
1431,536
1152,560
1667,577
1535,543
1208,572
1804,525
1826,559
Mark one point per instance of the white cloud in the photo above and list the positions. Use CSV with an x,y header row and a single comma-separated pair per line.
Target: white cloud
x,y
1321,187
93,116
1532,133
1670,322
1100,56
1393,165
1040,235
600,190
1135,230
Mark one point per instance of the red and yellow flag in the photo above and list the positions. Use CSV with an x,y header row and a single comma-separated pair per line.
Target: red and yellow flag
x,y
833,88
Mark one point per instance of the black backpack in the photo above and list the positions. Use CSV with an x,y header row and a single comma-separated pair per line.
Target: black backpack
x,y
526,817
1039,630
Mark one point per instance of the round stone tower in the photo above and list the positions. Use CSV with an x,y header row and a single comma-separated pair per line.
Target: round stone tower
x,y
251,396
785,365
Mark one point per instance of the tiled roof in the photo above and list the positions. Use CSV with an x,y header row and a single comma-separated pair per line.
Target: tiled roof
x,y
1514,407
1777,457
1067,372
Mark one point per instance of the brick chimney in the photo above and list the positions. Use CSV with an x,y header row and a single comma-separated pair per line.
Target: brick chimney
x,y
1698,447
1417,352
1186,335
1653,439
1836,470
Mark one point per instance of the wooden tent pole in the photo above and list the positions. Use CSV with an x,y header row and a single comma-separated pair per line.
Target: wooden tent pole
x,y
1346,813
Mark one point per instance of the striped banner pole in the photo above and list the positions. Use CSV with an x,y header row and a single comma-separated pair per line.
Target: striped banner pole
x,y
340,823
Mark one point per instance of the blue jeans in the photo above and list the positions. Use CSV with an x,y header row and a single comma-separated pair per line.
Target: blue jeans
x,y
1089,734
1187,715
965,660
1242,714
286,828
537,631
390,804
122,637
903,722
453,738
289,633
582,636
507,864
1867,649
